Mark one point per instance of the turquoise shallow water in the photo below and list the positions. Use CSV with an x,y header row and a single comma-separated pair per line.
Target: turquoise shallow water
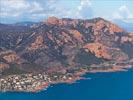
x,y
101,86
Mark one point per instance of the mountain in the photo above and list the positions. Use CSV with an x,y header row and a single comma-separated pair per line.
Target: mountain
x,y
65,43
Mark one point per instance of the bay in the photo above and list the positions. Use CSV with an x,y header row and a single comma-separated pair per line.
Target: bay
x,y
101,86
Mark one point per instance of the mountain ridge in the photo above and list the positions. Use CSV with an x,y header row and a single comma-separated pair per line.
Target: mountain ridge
x,y
60,43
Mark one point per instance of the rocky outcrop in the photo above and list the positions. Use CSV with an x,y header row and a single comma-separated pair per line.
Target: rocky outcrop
x,y
106,26
102,51
38,43
77,35
11,57
98,49
53,20
128,38
114,28
3,66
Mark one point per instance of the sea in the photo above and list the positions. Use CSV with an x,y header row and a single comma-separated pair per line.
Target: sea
x,y
97,86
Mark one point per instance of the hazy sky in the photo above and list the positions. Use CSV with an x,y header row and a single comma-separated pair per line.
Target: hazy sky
x,y
36,10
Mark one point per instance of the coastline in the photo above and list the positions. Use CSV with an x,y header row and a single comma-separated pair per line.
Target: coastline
x,y
81,88
76,76
80,77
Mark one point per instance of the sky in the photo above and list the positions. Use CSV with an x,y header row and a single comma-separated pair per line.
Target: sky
x,y
12,11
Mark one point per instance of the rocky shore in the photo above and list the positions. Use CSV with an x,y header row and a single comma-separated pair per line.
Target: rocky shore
x,y
37,82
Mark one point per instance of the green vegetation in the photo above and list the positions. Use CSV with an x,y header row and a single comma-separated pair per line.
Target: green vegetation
x,y
14,69
87,58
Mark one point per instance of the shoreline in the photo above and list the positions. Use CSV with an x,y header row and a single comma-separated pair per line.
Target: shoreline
x,y
76,76
81,77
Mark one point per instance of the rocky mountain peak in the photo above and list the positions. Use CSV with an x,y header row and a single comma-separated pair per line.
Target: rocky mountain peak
x,y
53,20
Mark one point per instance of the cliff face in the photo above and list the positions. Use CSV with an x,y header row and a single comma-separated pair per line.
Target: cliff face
x,y
60,43
102,51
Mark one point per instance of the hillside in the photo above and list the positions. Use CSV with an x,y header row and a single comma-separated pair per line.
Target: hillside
x,y
65,43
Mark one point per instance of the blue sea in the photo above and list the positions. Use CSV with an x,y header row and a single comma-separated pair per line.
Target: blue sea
x,y
101,86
